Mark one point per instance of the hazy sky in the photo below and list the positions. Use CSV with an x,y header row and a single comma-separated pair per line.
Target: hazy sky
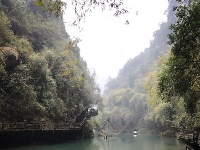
x,y
107,42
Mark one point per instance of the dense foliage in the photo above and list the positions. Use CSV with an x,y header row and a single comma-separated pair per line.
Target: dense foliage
x,y
174,92
181,77
42,75
126,99
158,90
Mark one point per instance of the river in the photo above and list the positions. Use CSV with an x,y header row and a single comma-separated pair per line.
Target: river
x,y
123,142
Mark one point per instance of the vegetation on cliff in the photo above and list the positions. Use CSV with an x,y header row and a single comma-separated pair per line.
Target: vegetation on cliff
x,y
42,75
159,89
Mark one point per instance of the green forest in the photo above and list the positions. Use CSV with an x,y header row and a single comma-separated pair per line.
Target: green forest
x,y
43,76
158,91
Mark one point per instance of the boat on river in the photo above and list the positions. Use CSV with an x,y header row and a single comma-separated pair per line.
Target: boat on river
x,y
135,132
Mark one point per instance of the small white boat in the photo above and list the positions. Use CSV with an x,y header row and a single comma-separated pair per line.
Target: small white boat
x,y
135,132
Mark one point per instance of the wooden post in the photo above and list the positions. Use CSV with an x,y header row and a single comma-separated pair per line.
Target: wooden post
x,y
108,121
1,126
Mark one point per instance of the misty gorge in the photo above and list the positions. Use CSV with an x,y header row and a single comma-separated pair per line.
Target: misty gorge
x,y
56,95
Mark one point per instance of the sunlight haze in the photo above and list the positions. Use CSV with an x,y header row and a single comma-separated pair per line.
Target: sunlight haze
x,y
107,42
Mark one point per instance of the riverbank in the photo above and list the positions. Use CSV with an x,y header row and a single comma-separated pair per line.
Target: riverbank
x,y
18,138
166,133
35,137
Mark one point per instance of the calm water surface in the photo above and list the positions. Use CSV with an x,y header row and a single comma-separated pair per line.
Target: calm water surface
x,y
123,142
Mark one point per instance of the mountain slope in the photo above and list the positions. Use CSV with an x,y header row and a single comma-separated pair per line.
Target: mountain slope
x,y
42,75
125,99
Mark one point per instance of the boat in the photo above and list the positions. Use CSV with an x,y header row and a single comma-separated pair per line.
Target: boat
x,y
135,132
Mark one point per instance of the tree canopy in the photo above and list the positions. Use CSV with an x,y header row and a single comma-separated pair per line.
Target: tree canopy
x,y
80,7
42,75
181,76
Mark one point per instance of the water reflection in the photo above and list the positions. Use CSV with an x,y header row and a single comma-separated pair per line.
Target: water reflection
x,y
123,142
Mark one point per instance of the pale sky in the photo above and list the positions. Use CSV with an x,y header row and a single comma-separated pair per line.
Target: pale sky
x,y
107,43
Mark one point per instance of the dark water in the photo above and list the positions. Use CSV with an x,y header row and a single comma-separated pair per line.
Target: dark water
x,y
124,142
